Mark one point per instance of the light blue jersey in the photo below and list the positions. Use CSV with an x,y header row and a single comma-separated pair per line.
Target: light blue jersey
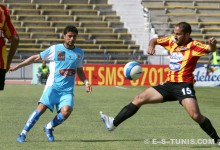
x,y
63,64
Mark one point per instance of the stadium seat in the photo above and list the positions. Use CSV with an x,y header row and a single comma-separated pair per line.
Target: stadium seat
x,y
109,41
24,17
19,5
27,40
103,7
75,1
20,11
98,29
45,35
115,46
59,17
88,18
210,30
111,18
44,6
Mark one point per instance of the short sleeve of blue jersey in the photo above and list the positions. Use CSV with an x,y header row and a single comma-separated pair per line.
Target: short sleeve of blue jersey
x,y
48,54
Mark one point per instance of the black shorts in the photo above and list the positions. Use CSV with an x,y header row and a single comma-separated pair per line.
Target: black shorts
x,y
2,78
172,91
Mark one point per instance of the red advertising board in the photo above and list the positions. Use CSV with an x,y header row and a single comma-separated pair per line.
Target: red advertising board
x,y
112,75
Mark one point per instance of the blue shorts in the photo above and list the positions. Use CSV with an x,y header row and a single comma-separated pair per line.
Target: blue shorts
x,y
51,97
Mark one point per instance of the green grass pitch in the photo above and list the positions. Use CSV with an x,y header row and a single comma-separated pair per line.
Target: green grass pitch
x,y
85,130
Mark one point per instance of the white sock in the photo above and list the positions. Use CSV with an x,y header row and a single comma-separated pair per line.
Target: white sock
x,y
49,126
24,132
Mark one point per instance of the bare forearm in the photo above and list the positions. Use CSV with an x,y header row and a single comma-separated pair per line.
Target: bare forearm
x,y
28,61
81,75
151,48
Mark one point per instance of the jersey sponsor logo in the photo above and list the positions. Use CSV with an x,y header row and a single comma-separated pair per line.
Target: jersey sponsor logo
x,y
67,72
61,55
176,57
174,66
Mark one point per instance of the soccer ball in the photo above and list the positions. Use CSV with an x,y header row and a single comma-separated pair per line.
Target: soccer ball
x,y
132,70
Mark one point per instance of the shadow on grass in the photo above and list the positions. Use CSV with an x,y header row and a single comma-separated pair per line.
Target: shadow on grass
x,y
115,140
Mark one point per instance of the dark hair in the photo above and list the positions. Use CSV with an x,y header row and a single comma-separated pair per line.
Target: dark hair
x,y
186,28
70,29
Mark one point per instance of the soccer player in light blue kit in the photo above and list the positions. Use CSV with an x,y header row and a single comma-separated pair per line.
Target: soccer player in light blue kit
x,y
65,61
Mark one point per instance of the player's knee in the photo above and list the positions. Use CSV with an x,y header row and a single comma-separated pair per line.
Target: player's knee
x,y
196,117
66,111
139,100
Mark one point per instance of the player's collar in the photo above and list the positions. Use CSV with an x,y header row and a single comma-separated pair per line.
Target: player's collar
x,y
69,48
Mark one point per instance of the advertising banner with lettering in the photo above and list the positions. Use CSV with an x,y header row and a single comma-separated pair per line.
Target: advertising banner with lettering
x,y
112,75
207,75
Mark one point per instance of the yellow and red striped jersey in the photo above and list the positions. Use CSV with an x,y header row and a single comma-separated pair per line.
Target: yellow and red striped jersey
x,y
183,59
6,31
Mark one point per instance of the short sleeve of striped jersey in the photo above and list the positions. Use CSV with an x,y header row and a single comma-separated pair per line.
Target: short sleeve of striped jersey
x,y
199,48
165,41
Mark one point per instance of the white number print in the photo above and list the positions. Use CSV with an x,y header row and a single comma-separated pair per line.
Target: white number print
x,y
186,91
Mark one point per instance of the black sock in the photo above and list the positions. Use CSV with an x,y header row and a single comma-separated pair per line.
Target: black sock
x,y
125,113
209,129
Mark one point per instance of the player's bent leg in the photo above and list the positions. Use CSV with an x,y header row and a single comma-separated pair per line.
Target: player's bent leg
x,y
66,111
150,95
31,122
58,119
192,109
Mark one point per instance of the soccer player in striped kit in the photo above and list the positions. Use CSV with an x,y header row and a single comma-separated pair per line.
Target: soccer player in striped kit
x,y
8,31
184,54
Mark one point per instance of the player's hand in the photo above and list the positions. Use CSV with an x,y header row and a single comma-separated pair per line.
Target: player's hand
x,y
151,50
212,41
88,88
12,68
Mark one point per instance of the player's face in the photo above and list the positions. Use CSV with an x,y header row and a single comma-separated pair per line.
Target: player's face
x,y
70,39
181,38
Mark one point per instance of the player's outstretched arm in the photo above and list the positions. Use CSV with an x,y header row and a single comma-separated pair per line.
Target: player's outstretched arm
x,y
82,77
28,61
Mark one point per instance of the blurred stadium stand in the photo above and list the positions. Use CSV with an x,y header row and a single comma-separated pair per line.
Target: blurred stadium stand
x,y
111,31
203,15
102,34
